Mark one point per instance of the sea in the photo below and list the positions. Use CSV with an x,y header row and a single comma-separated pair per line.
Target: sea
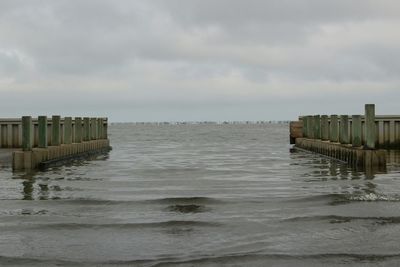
x,y
201,195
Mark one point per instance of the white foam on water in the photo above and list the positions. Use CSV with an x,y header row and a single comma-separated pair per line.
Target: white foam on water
x,y
374,197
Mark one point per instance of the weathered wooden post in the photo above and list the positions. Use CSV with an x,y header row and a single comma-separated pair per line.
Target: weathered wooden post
x,y
370,129
317,127
324,128
356,130
93,128
78,130
99,128
55,130
344,129
305,125
105,128
42,129
310,127
27,133
67,130
333,126
86,129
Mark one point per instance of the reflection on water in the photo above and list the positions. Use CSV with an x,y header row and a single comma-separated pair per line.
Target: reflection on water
x,y
201,195
340,170
35,187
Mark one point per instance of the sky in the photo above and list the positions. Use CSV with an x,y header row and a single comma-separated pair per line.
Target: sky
x,y
197,60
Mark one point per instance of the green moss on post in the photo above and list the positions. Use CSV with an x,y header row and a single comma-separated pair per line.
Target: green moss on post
x,y
42,128
370,129
67,130
86,129
27,133
344,129
78,130
324,128
356,127
333,127
55,130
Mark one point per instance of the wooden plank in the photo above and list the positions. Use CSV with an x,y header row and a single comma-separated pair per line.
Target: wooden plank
x,y
392,132
19,135
35,135
363,132
9,136
4,136
381,133
15,135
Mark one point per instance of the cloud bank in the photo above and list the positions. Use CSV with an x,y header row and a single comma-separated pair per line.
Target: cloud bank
x,y
156,60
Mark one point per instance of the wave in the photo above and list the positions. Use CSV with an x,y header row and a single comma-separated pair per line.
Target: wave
x,y
188,208
143,225
337,199
252,259
168,200
374,197
185,200
255,259
344,219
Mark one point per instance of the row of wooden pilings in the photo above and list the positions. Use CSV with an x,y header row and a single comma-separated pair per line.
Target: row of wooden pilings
x,y
80,137
331,136
335,128
85,129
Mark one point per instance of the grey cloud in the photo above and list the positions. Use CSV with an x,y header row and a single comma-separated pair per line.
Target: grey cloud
x,y
176,55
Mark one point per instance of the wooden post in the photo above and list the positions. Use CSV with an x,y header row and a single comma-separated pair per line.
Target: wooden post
x,y
333,126
86,129
105,128
344,129
27,133
356,130
42,129
305,123
78,130
93,128
324,128
317,127
67,130
311,127
55,130
99,128
370,129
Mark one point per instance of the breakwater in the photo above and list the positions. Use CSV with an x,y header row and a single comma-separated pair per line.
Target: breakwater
x,y
41,141
359,140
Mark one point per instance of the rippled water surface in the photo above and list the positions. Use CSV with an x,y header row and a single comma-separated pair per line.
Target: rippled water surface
x,y
200,195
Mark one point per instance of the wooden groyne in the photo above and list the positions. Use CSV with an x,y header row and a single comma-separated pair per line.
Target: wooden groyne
x,y
359,140
43,140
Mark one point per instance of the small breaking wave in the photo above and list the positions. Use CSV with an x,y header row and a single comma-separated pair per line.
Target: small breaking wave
x,y
338,199
189,208
374,197
344,219
185,200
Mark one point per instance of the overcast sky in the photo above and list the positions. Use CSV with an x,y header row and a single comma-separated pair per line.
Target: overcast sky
x,y
174,60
